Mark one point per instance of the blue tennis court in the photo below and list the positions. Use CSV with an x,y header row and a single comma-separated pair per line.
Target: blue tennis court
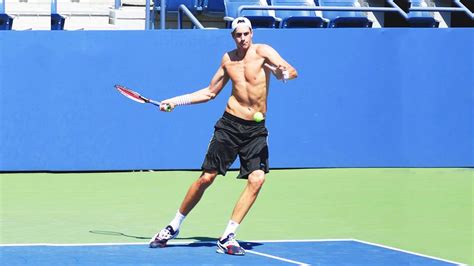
x,y
308,252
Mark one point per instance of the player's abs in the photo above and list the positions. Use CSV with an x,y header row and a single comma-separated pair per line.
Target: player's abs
x,y
247,99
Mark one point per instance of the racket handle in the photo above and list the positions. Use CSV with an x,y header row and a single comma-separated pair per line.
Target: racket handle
x,y
158,104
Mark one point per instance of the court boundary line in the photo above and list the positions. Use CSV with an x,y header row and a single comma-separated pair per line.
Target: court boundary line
x,y
408,252
169,242
260,241
277,258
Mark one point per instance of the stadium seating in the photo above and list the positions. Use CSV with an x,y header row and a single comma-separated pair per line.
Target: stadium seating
x,y
57,22
298,18
345,19
6,22
421,19
213,8
259,18
173,5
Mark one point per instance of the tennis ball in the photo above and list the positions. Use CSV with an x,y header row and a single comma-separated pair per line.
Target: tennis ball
x,y
258,117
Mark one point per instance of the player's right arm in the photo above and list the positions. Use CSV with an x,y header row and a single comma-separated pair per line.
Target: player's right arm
x,y
273,61
218,82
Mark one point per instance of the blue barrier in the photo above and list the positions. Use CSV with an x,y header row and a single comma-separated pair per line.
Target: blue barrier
x,y
379,98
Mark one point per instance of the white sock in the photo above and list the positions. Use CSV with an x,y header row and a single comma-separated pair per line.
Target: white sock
x,y
178,219
230,229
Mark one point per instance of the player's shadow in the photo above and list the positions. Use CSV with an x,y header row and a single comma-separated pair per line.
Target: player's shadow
x,y
201,241
209,242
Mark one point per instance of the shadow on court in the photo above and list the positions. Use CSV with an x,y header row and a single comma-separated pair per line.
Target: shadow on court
x,y
212,243
201,241
113,233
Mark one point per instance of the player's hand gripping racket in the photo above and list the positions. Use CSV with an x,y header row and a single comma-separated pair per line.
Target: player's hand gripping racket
x,y
135,96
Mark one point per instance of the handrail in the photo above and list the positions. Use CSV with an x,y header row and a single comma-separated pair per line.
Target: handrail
x,y
183,9
462,8
317,8
438,9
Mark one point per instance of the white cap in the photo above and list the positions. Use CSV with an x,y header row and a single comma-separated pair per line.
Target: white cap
x,y
241,21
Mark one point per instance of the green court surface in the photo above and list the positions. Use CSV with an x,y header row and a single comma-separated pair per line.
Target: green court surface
x,y
428,211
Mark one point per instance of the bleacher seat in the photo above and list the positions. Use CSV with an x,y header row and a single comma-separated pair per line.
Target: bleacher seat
x,y
173,5
298,18
259,18
57,22
345,19
6,22
213,8
421,19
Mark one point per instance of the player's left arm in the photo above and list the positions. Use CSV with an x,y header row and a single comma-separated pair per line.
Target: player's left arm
x,y
218,82
273,61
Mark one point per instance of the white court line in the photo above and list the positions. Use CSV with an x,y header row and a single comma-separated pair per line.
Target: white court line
x,y
70,245
277,258
301,240
258,241
406,251
170,242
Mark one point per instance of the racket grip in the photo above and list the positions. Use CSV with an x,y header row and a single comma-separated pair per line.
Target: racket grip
x,y
286,75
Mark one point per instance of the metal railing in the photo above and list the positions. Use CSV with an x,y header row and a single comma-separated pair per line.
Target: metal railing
x,y
395,8
183,9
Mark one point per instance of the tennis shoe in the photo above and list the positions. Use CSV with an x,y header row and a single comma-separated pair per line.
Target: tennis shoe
x,y
230,246
161,238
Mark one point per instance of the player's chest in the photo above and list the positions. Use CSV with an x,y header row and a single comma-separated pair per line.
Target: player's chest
x,y
248,70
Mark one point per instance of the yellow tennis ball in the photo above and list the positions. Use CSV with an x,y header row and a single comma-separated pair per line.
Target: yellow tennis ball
x,y
258,117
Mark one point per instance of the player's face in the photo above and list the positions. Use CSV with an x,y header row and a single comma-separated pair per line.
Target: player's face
x,y
243,37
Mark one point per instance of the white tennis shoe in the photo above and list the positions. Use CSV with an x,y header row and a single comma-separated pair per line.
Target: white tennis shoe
x,y
161,238
230,246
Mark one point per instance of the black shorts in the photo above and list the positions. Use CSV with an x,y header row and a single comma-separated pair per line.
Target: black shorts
x,y
235,136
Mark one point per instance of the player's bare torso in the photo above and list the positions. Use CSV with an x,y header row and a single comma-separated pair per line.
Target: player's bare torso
x,y
250,82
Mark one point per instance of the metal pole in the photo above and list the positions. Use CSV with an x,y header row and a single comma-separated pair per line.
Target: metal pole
x,y
399,9
147,14
183,9
2,6
118,3
54,6
163,14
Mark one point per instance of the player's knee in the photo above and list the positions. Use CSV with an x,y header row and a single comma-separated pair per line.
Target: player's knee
x,y
206,179
257,178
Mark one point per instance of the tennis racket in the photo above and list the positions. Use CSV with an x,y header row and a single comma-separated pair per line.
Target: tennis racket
x,y
135,96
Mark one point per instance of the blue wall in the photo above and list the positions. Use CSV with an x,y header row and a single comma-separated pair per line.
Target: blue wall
x,y
364,98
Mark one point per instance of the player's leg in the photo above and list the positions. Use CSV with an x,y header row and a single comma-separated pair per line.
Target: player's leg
x,y
253,166
193,196
220,155
227,243
249,195
196,190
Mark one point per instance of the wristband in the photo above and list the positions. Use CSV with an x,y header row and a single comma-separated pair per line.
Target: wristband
x,y
182,100
286,74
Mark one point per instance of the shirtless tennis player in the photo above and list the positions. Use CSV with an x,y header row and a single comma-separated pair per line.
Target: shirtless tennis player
x,y
236,133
